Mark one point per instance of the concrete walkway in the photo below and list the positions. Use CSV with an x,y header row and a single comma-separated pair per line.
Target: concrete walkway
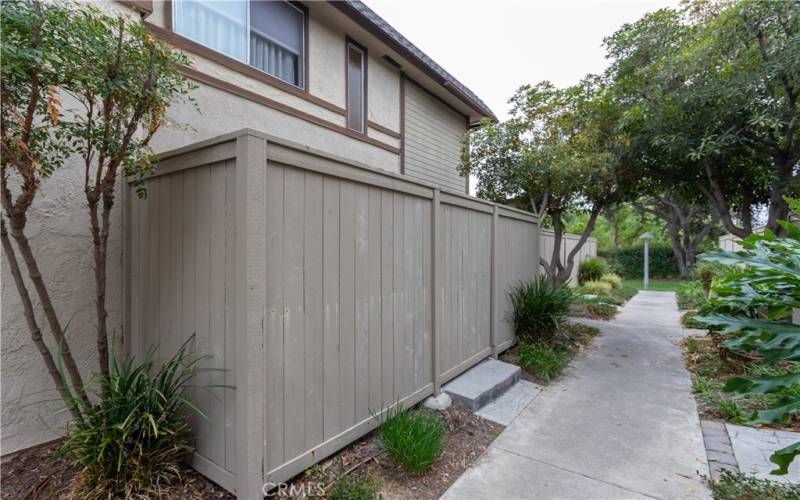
x,y
621,423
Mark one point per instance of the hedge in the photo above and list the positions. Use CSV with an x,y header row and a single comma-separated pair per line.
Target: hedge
x,y
629,262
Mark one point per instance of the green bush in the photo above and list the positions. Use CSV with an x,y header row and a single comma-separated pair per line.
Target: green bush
x,y
543,361
131,442
413,438
538,308
347,488
629,262
690,295
594,288
735,486
591,269
612,279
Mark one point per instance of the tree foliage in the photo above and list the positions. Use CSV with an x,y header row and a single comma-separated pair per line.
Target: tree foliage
x,y
560,152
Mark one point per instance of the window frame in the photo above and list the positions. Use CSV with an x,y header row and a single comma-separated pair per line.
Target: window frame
x,y
349,42
245,67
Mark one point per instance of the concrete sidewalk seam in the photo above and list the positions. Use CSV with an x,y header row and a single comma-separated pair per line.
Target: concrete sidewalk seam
x,y
587,476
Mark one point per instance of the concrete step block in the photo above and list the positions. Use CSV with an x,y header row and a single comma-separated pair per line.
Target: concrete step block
x,y
482,383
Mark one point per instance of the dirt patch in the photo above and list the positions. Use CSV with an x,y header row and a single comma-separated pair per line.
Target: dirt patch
x,y
39,473
467,437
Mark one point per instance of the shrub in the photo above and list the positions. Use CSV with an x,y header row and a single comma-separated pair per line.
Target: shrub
x,y
543,361
347,488
705,273
594,288
629,262
538,308
591,269
688,321
601,310
130,443
612,279
690,295
735,486
413,438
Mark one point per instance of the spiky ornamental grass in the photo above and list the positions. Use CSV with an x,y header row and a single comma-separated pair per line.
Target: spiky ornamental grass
x,y
131,442
538,308
415,439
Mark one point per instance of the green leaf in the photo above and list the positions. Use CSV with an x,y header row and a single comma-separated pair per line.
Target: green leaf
x,y
761,385
783,458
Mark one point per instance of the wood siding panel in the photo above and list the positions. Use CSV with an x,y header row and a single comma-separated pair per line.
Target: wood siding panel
x,y
432,144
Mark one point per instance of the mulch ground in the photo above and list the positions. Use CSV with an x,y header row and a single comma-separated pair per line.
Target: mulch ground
x,y
467,437
39,473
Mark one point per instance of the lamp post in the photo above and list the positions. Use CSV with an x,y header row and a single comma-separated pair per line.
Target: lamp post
x,y
646,237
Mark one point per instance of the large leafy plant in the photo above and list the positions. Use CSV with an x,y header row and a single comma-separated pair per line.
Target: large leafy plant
x,y
752,306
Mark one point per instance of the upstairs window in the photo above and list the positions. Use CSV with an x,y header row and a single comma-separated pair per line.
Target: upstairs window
x,y
267,35
356,61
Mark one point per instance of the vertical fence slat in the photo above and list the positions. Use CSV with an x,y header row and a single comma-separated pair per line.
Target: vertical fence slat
x,y
493,286
435,292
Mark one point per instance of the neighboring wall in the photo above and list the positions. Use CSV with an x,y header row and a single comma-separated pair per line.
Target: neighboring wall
x,y
327,291
568,243
433,139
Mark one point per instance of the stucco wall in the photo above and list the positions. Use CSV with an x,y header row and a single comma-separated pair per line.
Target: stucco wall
x,y
58,228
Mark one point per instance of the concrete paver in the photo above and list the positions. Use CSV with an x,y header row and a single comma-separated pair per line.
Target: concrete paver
x,y
621,423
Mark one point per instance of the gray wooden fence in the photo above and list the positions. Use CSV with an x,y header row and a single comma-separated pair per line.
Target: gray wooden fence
x,y
327,291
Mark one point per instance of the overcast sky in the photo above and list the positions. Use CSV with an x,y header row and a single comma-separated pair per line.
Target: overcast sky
x,y
494,47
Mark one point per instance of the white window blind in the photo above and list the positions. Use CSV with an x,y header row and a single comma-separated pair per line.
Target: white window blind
x,y
268,35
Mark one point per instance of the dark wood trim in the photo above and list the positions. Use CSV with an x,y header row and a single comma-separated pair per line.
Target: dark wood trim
x,y
183,43
383,130
365,58
402,123
279,106
143,6
466,145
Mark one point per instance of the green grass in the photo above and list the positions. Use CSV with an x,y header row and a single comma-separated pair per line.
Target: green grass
x,y
655,285
413,438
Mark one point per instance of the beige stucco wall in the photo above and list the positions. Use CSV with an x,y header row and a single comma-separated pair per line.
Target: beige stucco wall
x,y
383,100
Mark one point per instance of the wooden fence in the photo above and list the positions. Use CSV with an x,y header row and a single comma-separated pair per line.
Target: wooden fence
x,y
568,243
327,291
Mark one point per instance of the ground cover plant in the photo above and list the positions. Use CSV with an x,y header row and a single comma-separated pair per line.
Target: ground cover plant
x,y
732,486
348,488
599,299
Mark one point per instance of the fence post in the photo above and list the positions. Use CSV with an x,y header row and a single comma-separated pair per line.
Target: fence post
x,y
248,314
493,286
435,257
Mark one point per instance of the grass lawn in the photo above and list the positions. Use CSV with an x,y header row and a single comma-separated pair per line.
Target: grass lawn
x,y
655,285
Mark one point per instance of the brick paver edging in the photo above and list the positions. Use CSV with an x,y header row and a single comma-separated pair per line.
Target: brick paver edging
x,y
718,448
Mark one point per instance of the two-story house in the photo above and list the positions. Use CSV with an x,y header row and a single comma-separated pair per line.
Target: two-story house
x,y
332,76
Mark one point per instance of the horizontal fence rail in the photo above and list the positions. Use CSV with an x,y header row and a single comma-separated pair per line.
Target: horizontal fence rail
x,y
328,292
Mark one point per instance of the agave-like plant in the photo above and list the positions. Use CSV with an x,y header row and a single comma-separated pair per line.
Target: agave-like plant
x,y
752,306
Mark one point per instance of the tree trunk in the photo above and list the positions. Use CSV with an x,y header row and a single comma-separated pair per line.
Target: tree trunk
x,y
565,272
17,223
30,319
99,231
